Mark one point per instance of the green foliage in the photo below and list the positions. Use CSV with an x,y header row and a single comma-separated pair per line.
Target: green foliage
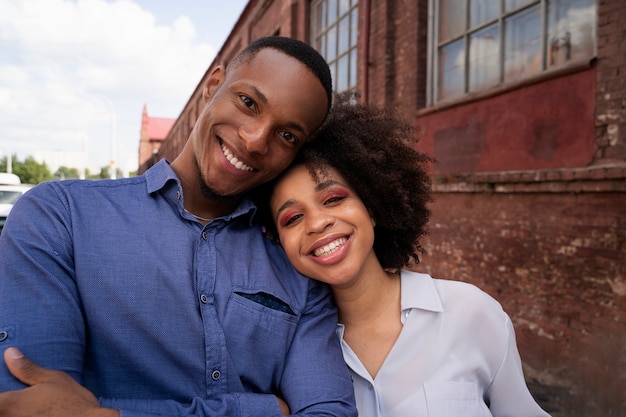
x,y
30,171
65,173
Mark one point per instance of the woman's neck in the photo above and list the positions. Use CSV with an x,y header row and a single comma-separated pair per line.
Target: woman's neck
x,y
369,297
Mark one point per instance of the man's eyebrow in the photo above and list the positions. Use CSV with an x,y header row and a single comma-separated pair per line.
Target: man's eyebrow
x,y
258,94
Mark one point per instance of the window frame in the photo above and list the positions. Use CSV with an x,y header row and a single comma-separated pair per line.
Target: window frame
x,y
321,30
434,46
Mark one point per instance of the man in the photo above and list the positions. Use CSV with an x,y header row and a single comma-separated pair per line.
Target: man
x,y
158,293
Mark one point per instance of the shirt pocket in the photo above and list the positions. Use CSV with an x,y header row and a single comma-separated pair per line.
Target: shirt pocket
x,y
454,399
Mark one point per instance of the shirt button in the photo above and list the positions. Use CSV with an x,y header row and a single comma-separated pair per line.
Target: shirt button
x,y
178,195
4,336
216,375
204,235
203,298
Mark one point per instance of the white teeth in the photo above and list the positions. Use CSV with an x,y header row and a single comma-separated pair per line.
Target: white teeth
x,y
234,161
330,248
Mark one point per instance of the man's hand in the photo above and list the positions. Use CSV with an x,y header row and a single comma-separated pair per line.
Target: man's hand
x,y
50,394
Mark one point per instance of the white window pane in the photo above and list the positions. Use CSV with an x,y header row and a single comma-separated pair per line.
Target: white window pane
x,y
484,67
452,17
571,30
353,68
343,73
451,73
354,27
522,40
511,5
344,6
482,11
332,12
331,44
344,35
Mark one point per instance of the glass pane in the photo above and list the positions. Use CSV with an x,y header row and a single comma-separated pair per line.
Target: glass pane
x,y
332,11
484,62
354,27
353,69
522,44
511,5
571,30
451,71
322,45
344,6
343,74
452,18
331,44
482,11
344,35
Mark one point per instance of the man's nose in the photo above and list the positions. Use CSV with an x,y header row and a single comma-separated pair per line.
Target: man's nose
x,y
256,137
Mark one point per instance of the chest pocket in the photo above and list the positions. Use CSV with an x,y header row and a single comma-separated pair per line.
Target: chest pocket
x,y
453,399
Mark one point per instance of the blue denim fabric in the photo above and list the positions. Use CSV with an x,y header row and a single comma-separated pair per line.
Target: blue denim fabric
x,y
156,314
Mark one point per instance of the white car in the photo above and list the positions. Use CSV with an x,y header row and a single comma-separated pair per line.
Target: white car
x,y
11,189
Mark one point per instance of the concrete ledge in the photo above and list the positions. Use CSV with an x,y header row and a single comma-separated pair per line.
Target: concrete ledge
x,y
599,178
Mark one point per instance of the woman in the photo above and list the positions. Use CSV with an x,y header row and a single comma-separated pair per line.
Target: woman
x,y
350,212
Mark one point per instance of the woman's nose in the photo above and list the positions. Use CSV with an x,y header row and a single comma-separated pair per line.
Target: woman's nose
x,y
319,222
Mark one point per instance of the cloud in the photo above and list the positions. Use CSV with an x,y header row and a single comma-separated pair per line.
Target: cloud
x,y
72,70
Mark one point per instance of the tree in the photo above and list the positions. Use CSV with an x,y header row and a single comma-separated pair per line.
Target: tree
x,y
30,171
65,173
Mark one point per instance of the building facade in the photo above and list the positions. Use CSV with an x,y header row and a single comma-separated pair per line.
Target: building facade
x,y
153,132
523,105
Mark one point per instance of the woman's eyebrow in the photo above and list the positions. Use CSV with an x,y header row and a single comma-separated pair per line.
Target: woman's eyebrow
x,y
284,207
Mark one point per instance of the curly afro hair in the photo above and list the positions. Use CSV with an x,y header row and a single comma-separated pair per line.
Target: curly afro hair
x,y
374,151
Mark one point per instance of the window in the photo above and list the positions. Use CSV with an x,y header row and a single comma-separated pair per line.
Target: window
x,y
478,44
335,28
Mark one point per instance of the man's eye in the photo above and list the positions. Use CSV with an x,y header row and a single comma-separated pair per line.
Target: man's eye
x,y
247,101
289,137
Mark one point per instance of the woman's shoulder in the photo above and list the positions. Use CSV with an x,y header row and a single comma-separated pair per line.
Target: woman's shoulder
x,y
463,301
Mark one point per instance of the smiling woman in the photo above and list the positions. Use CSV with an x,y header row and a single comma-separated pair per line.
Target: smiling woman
x,y
350,212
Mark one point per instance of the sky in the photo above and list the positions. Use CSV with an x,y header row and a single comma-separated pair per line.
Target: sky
x,y
76,74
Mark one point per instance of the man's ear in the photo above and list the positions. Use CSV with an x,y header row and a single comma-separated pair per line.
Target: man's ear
x,y
213,82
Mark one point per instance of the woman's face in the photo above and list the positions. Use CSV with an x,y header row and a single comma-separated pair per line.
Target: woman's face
x,y
323,226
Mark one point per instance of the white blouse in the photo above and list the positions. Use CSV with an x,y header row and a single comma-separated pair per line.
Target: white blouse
x,y
456,356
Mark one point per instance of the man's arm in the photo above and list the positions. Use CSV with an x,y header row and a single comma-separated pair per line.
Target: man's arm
x,y
55,394
316,380
48,391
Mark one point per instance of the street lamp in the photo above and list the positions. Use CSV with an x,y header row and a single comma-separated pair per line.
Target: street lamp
x,y
113,122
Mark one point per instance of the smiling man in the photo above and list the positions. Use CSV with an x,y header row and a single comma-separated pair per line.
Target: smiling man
x,y
157,293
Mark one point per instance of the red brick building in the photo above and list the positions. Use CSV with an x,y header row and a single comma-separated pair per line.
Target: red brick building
x,y
524,108
153,132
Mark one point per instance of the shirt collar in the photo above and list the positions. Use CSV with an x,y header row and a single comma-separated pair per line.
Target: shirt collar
x,y
161,177
419,291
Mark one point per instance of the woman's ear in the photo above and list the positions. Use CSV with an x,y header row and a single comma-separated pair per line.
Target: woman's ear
x,y
213,82
372,219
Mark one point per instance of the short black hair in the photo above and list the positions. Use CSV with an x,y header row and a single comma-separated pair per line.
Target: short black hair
x,y
374,150
297,49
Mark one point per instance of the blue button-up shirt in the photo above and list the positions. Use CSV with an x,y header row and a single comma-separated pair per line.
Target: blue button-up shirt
x,y
156,314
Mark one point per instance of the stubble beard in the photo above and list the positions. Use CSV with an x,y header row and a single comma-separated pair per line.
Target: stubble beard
x,y
210,194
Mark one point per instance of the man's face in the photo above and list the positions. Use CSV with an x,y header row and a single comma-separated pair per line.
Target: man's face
x,y
258,115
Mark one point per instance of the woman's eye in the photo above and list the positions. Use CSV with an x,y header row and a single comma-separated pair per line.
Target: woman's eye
x,y
333,199
290,220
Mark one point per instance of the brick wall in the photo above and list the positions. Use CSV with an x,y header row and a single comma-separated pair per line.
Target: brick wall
x,y
551,247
